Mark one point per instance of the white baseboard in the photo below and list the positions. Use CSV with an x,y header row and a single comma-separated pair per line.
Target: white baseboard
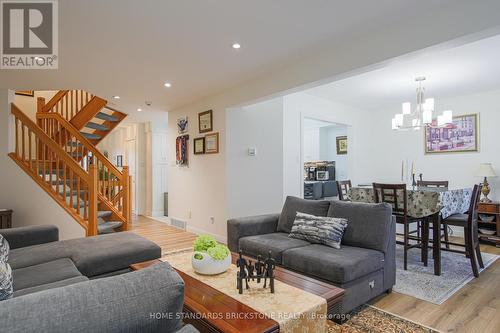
x,y
199,231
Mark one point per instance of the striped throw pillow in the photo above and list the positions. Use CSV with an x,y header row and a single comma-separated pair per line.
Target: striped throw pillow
x,y
6,283
318,229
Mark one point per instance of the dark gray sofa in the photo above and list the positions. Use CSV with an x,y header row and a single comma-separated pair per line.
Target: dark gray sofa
x,y
365,266
79,285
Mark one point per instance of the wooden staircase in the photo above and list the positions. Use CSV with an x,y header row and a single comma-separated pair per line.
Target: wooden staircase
x,y
59,152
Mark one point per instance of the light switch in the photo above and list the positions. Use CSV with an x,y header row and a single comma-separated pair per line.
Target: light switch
x,y
252,151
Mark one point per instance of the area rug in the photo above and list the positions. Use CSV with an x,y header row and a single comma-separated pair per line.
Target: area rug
x,y
368,319
420,282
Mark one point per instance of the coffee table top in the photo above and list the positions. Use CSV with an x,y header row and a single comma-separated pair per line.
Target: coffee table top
x,y
201,299
205,300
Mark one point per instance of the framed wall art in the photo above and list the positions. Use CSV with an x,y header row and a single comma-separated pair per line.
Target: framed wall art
x,y
212,143
199,146
182,125
462,135
205,121
341,145
30,93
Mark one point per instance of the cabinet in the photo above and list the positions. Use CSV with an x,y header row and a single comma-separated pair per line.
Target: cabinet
x,y
5,218
487,211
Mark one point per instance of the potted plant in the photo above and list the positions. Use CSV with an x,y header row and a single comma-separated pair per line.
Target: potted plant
x,y
210,257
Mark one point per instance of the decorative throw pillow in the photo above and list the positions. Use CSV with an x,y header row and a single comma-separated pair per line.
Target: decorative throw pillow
x,y
4,249
6,289
6,283
318,229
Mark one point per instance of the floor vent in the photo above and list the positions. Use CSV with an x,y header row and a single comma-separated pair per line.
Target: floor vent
x,y
178,223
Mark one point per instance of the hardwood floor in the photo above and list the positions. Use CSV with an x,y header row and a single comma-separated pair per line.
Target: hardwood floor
x,y
167,237
474,308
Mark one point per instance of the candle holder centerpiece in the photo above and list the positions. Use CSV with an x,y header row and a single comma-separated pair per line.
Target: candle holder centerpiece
x,y
255,271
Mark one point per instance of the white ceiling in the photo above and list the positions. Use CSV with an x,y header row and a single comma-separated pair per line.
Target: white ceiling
x,y
130,47
466,69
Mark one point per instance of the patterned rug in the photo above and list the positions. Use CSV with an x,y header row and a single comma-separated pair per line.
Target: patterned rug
x,y
368,319
420,282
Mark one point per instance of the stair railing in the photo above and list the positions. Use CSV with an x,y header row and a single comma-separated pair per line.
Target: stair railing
x,y
72,187
67,103
113,185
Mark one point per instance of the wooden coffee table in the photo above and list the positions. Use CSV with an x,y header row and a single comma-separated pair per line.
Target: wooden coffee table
x,y
202,301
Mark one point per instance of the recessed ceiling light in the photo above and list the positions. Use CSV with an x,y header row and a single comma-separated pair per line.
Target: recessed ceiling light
x,y
139,110
236,46
167,84
116,97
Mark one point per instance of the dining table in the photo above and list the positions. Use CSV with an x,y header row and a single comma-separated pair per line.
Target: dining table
x,y
431,204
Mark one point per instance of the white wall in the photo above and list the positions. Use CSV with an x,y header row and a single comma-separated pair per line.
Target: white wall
x,y
31,204
312,144
199,191
328,149
255,183
388,148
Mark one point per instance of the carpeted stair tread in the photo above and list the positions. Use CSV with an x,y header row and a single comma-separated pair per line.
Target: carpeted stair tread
x,y
104,213
91,136
105,116
108,227
97,126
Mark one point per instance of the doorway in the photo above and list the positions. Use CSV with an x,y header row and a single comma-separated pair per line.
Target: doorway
x,y
324,157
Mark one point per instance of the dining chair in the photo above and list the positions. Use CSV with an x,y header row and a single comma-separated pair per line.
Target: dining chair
x,y
343,187
396,196
441,184
469,223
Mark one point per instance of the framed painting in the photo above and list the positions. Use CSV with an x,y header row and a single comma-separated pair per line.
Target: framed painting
x,y
462,135
341,145
199,146
30,93
212,143
205,121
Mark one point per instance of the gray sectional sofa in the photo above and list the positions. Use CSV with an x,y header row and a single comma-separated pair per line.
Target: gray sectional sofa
x,y
365,265
85,285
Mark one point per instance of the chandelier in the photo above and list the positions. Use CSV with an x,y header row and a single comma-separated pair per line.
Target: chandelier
x,y
422,114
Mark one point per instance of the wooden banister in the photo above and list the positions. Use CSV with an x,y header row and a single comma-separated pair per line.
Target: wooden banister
x,y
47,141
85,142
112,184
54,100
55,171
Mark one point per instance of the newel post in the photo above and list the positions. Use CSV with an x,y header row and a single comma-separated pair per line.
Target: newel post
x,y
93,183
126,198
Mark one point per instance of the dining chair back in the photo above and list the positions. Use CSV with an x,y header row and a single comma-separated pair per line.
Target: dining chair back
x,y
439,184
433,183
393,194
396,196
343,188
469,222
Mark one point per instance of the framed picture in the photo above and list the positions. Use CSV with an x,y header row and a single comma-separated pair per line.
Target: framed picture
x,y
30,93
205,121
119,161
182,125
458,137
341,145
199,145
212,143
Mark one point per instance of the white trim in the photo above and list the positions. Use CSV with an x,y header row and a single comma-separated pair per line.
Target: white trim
x,y
199,231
